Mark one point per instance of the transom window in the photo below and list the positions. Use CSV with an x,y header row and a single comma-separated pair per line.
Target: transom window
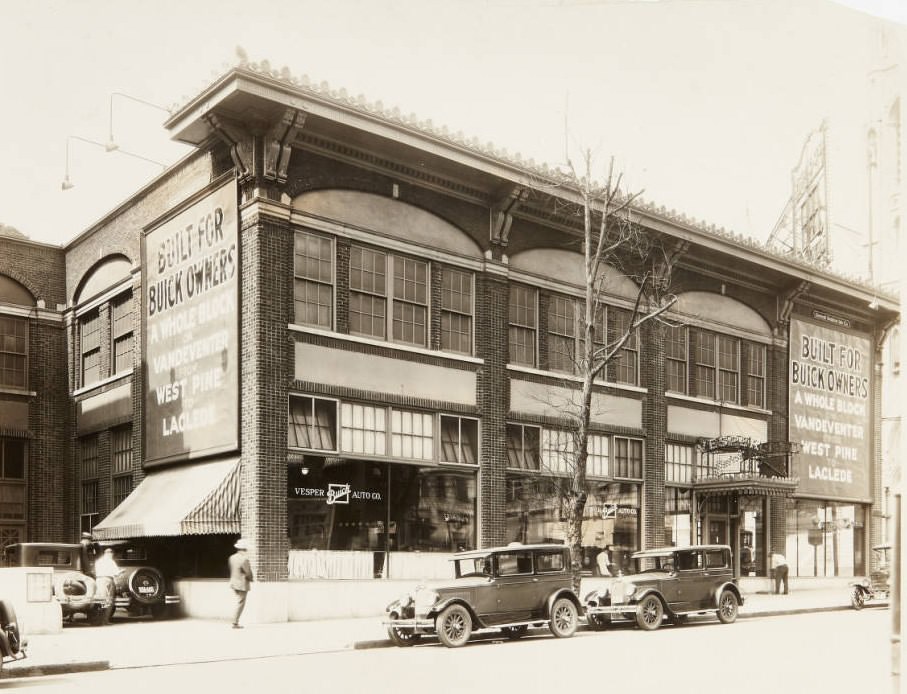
x,y
523,317
313,423
523,447
363,429
678,463
627,457
459,440
412,435
313,285
13,334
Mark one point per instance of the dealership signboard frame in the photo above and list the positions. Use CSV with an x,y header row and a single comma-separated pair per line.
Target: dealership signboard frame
x,y
830,410
190,326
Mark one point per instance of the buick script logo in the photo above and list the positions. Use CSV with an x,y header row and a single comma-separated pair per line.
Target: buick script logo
x,y
338,494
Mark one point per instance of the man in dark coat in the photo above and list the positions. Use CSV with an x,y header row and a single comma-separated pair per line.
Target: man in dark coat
x,y
240,577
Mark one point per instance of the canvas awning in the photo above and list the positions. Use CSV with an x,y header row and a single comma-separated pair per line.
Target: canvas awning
x,y
744,483
189,499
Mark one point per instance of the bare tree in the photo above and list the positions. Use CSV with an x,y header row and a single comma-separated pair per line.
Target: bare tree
x,y
612,242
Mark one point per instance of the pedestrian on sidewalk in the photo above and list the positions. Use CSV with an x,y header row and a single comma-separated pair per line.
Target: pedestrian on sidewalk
x,y
240,578
779,571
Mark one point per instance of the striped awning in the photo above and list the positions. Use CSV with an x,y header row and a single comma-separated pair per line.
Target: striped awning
x,y
189,499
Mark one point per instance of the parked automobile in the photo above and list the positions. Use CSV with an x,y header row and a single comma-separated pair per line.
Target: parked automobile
x,y
75,589
876,587
507,588
12,643
669,582
138,588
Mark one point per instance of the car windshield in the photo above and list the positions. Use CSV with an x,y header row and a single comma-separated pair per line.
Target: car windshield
x,y
648,564
473,566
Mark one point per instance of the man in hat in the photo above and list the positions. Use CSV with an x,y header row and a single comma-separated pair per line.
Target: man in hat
x,y
240,577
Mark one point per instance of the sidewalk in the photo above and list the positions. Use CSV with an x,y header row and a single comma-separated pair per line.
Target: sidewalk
x,y
128,643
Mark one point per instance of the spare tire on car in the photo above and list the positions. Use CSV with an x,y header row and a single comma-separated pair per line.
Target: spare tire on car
x,y
146,585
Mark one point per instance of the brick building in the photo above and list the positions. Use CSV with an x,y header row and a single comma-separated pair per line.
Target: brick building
x,y
341,333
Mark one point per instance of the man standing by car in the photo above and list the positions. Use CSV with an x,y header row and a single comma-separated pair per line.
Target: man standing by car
x,y
779,570
240,578
105,572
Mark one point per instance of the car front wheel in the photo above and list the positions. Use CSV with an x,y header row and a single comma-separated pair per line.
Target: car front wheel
x,y
403,637
454,626
857,599
649,613
727,607
563,618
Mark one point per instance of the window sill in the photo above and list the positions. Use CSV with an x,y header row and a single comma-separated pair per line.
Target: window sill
x,y
98,384
717,403
23,392
570,377
384,343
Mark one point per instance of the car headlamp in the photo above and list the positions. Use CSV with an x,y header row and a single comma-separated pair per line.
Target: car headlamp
x,y
424,600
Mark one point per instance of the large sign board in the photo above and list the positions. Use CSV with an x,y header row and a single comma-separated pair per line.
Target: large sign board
x,y
190,302
831,410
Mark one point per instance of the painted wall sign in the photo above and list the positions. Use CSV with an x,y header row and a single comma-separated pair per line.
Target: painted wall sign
x,y
191,358
830,410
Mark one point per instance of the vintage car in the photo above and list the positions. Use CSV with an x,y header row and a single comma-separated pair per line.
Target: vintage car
x,y
507,588
877,587
75,589
669,582
138,588
12,643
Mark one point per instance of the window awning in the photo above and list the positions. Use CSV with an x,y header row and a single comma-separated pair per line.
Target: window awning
x,y
190,499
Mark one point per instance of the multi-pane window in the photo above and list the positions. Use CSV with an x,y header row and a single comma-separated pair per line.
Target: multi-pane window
x,y
312,424
459,440
121,465
523,447
12,351
678,463
627,457
12,479
313,287
523,324
121,332
368,292
412,435
597,456
728,368
369,296
90,340
705,362
88,468
557,451
410,301
626,364
456,311
363,429
562,334
676,359
755,374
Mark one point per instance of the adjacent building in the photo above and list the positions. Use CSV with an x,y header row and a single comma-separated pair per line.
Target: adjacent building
x,y
340,333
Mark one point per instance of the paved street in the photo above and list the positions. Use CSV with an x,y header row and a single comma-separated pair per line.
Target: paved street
x,y
829,652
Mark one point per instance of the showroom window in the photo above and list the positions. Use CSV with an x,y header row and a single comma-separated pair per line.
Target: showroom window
x,y
456,311
523,325
313,284
88,468
13,341
313,423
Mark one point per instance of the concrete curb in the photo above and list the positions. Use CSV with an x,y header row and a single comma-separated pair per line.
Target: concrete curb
x,y
97,665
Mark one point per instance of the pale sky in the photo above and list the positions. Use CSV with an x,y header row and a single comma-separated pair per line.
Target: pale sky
x,y
704,104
